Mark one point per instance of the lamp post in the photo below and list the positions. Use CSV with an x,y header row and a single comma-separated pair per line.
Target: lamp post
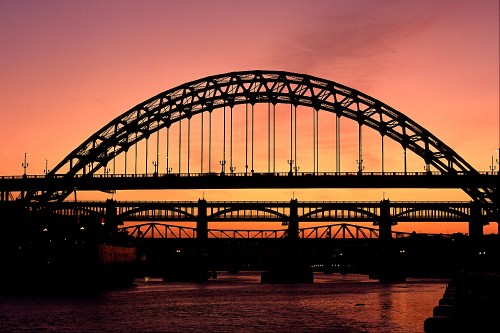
x,y
222,163
155,165
493,167
46,165
360,166
232,169
296,168
498,159
290,162
25,164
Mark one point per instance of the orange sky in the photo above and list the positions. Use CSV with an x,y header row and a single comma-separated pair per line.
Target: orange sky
x,y
68,68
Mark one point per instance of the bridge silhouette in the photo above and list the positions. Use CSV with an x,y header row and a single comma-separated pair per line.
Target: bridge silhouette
x,y
235,131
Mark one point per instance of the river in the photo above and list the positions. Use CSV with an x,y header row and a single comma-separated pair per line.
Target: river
x,y
233,303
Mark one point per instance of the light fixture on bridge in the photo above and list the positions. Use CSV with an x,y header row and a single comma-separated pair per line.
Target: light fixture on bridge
x,y
223,168
46,171
25,164
232,169
361,167
290,162
296,168
493,167
155,165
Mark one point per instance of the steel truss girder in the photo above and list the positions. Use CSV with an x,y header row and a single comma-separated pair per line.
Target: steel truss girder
x,y
279,211
332,231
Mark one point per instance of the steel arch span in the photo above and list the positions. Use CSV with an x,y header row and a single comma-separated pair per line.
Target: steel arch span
x,y
254,87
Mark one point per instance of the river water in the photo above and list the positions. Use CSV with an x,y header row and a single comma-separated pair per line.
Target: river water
x,y
233,303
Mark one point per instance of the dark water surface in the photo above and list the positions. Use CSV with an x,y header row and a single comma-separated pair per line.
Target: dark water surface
x,y
233,303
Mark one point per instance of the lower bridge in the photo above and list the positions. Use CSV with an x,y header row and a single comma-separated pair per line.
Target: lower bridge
x,y
339,244
382,214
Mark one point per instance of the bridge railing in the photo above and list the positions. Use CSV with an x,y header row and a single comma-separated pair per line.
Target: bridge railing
x,y
249,174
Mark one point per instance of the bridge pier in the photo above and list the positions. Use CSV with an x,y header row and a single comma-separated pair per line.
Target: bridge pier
x,y
475,233
192,265
475,223
293,220
202,222
390,267
291,268
111,216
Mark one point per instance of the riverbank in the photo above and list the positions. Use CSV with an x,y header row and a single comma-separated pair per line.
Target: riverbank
x,y
470,303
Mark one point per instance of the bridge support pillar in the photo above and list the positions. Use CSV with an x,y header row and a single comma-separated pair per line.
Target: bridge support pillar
x,y
289,267
202,222
293,222
200,264
475,233
390,267
111,218
192,264
475,222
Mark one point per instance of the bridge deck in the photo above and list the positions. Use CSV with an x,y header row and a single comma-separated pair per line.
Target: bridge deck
x,y
111,182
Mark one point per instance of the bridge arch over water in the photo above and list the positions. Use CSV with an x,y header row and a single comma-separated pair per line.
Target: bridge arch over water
x,y
113,144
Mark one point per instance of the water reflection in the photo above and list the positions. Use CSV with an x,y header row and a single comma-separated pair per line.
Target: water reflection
x,y
232,303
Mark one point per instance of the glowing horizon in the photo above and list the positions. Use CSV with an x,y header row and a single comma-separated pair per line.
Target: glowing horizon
x,y
70,68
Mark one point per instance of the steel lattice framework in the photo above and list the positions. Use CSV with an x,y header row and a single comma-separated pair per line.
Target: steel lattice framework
x,y
253,87
332,231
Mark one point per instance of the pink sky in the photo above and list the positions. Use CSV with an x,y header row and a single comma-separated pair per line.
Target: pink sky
x,y
69,67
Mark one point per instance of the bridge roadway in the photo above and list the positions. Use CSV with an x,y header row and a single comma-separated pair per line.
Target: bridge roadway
x,y
268,211
113,182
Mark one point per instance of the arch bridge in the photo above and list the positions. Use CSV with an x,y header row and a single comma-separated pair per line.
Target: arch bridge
x,y
258,129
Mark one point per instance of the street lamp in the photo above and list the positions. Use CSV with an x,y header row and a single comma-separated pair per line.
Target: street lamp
x,y
25,164
361,167
290,162
232,169
46,165
493,167
222,163
296,168
155,165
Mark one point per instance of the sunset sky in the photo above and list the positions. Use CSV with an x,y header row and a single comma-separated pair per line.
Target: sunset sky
x,y
69,67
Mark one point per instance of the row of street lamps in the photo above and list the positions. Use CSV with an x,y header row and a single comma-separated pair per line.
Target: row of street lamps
x,y
290,162
25,164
